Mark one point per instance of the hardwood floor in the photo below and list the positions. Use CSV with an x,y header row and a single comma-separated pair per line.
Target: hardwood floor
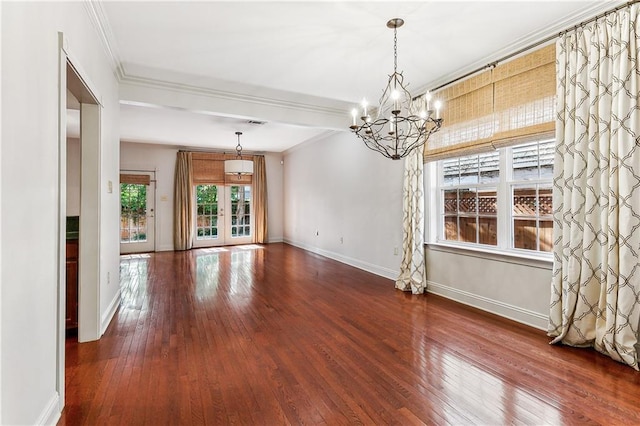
x,y
275,335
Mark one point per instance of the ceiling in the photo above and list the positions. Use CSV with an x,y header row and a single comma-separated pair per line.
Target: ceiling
x,y
193,73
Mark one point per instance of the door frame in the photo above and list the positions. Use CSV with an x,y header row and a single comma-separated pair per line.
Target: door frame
x,y
89,237
153,189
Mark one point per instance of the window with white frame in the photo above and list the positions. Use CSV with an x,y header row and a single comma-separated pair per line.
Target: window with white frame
x,y
499,199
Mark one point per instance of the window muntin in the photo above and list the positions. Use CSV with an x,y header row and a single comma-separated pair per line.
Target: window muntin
x,y
500,199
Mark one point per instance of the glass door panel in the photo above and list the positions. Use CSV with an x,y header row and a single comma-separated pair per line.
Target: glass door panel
x,y
240,211
137,218
223,215
209,212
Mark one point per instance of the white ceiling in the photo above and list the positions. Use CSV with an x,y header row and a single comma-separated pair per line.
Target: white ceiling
x,y
219,64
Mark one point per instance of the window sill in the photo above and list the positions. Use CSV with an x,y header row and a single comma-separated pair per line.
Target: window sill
x,y
541,260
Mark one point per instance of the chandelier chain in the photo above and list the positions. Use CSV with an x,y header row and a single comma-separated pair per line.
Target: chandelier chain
x,y
395,50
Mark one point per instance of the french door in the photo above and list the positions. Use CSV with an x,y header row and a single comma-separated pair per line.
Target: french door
x,y
223,215
137,212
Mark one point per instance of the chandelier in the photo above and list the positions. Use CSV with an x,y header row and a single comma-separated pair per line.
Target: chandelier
x,y
238,166
402,123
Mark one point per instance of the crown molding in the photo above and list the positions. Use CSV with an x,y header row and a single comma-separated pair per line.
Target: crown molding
x,y
100,22
534,38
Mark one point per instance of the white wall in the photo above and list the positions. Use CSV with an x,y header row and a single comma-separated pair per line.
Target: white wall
x,y
519,289
341,189
162,159
73,177
275,197
30,201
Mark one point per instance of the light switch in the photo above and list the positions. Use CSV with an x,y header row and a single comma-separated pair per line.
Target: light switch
x,y
109,187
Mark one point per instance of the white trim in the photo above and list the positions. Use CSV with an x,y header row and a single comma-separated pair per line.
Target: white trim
x,y
515,313
61,195
542,261
275,240
356,263
110,312
51,414
1,283
337,110
98,18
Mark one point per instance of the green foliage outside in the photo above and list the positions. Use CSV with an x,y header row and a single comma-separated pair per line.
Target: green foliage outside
x,y
206,194
133,200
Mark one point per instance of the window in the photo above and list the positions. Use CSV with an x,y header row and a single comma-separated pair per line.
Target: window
x,y
469,198
500,199
530,188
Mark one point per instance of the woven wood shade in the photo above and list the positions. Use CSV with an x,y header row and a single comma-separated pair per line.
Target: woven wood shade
x,y
135,179
208,169
514,100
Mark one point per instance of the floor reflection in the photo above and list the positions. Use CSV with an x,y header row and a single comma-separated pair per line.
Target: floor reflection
x,y
207,272
134,273
228,270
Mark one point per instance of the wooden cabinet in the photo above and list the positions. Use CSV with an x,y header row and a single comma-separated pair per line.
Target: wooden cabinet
x,y
72,284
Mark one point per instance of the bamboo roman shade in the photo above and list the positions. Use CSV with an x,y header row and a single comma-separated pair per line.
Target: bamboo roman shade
x,y
208,169
135,179
511,102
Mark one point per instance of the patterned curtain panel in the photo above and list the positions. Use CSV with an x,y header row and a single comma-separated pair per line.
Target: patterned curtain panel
x,y
260,199
596,273
412,269
183,204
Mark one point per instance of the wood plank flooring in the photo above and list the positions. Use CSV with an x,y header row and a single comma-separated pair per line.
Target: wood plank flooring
x,y
274,335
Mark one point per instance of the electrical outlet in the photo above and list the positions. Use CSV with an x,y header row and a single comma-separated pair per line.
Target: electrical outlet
x,y
395,251
108,277
341,240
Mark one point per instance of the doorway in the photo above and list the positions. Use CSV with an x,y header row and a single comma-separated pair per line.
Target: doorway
x,y
223,215
137,212
86,229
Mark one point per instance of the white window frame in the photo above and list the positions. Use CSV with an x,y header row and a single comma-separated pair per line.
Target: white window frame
x,y
434,209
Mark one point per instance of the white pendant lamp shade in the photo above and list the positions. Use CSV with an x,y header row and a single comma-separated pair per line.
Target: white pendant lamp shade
x,y
242,167
238,166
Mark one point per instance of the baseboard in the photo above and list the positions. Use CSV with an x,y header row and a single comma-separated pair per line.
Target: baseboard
x,y
356,263
275,240
51,414
515,313
165,248
111,311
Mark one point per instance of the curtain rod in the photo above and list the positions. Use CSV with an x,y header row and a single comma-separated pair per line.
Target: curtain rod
x,y
536,44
